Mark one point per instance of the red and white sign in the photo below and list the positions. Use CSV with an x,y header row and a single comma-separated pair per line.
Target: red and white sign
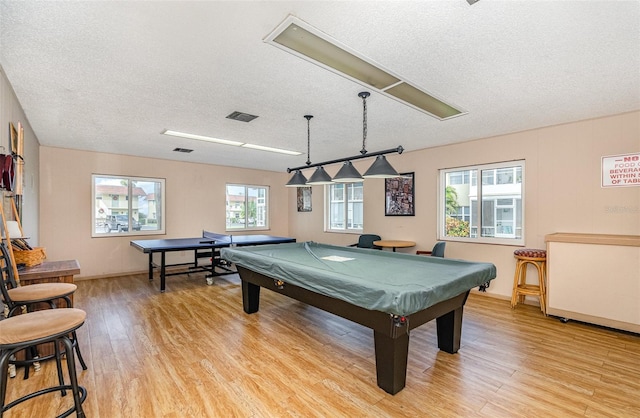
x,y
621,170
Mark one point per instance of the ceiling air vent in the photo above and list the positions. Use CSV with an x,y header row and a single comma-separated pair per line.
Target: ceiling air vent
x,y
187,150
242,117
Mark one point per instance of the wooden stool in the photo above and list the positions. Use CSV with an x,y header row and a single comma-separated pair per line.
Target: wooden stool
x,y
27,330
520,287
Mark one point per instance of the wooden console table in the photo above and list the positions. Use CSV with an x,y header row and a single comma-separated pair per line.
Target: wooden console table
x,y
50,272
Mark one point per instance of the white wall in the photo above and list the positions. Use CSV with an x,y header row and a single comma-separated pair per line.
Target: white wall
x,y
195,200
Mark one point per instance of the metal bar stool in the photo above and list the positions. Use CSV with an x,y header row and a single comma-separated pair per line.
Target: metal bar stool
x,y
27,330
538,258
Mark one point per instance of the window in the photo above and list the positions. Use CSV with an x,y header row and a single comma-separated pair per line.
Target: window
x,y
247,207
345,207
127,205
500,217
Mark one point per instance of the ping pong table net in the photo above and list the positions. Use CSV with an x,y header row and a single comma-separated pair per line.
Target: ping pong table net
x,y
217,237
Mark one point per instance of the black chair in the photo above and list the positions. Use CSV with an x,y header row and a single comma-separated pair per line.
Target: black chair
x,y
366,241
437,251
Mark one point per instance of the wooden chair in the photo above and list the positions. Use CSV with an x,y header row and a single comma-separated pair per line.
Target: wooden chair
x,y
537,258
366,241
48,326
15,297
437,251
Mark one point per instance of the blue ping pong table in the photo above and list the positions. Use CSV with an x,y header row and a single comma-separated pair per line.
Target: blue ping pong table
x,y
206,246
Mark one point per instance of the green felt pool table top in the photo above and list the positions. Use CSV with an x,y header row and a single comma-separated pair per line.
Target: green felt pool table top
x,y
394,283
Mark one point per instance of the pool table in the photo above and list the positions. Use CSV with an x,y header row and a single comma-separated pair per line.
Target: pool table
x,y
391,293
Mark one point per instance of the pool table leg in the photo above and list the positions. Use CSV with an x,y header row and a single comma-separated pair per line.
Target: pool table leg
x,y
250,297
391,361
450,330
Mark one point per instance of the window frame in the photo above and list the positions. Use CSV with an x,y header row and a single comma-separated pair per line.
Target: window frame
x,y
130,209
266,205
518,178
328,192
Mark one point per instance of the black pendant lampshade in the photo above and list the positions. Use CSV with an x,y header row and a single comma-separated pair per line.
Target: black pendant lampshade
x,y
381,169
297,180
319,177
347,174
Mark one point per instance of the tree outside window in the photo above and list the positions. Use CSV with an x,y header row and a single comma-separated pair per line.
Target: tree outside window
x,y
500,217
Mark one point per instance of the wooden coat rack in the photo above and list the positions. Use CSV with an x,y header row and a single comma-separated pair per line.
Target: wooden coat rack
x,y
5,235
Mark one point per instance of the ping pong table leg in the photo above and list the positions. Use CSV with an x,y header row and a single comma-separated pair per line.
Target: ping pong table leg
x,y
150,266
162,271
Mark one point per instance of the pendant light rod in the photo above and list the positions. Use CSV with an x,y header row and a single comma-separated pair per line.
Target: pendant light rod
x,y
308,118
399,150
363,95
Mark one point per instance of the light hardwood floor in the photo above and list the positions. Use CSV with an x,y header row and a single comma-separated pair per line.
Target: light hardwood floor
x,y
192,352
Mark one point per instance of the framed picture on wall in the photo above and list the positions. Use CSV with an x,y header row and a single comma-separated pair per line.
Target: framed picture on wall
x,y
304,199
399,195
13,139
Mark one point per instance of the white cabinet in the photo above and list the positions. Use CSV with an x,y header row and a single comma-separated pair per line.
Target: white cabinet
x,y
594,278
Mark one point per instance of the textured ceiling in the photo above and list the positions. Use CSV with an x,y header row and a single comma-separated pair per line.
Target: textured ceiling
x,y
110,76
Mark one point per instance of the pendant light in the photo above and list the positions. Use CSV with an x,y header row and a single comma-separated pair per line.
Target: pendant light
x,y
319,176
298,179
380,167
348,173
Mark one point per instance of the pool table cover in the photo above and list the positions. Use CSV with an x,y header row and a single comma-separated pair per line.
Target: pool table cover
x,y
394,283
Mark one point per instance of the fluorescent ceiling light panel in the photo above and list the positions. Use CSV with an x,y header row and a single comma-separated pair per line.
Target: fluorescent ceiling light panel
x,y
227,142
418,99
335,57
271,149
202,138
303,40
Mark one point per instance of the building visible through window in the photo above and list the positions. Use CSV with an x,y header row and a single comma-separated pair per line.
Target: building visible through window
x,y
127,205
247,207
500,217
